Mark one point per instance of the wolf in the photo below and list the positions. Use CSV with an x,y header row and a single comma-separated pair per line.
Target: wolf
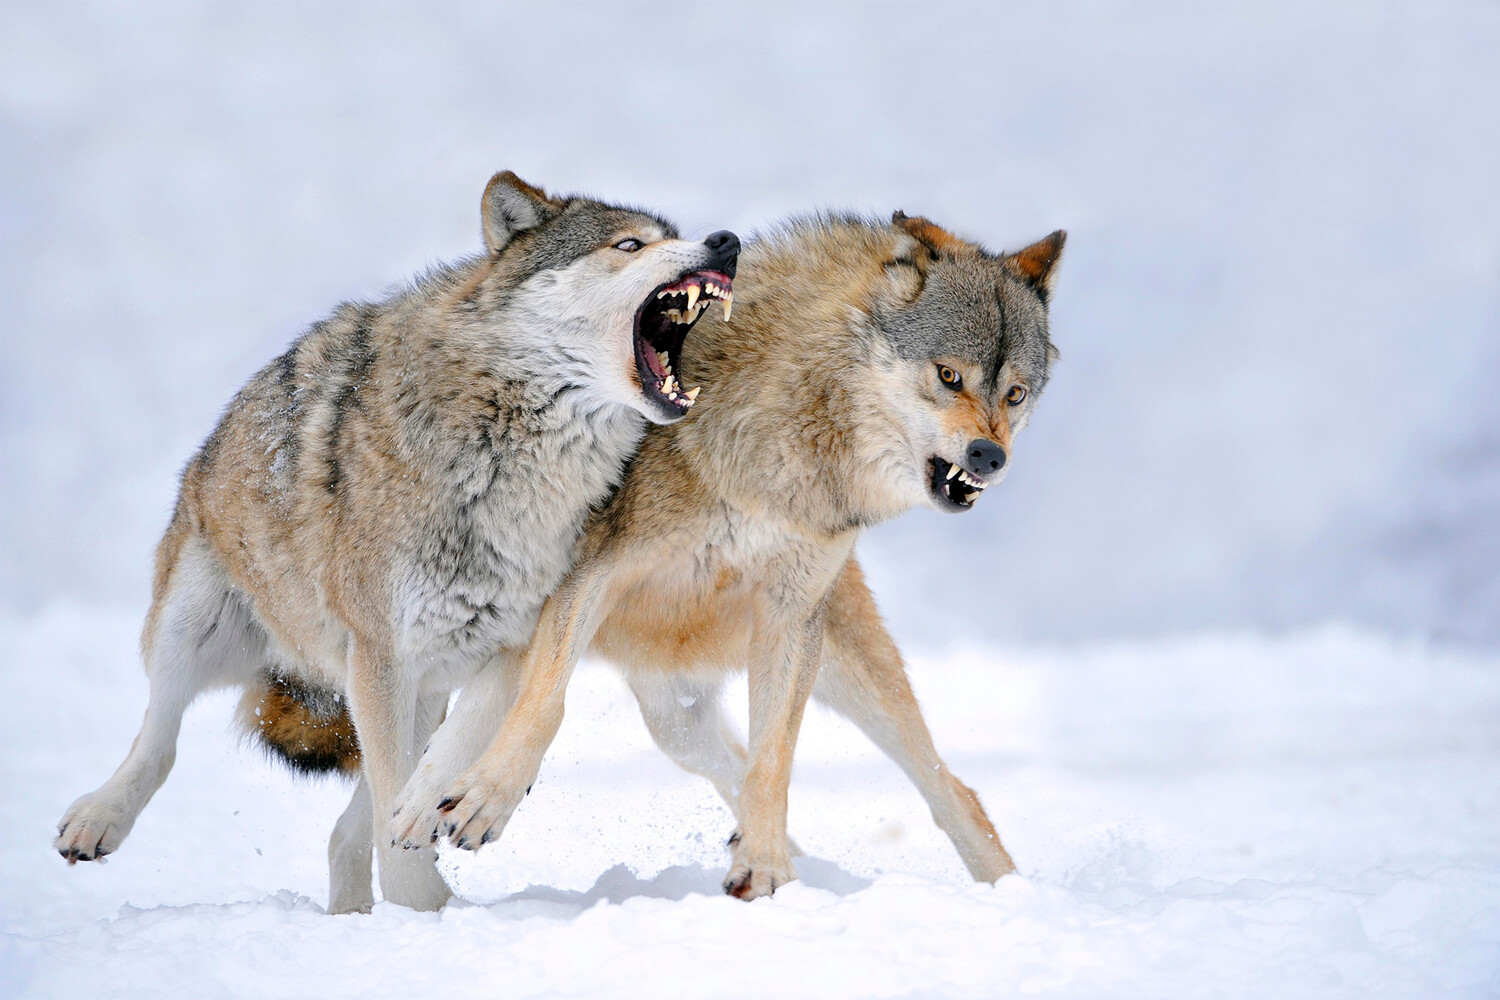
x,y
383,509
870,368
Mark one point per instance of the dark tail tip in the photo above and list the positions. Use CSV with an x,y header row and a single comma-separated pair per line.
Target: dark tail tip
x,y
309,730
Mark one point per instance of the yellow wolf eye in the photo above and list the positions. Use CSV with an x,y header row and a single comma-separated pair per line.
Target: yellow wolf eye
x,y
629,246
1016,394
951,378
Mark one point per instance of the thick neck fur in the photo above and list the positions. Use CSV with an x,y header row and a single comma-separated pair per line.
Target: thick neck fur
x,y
460,434
799,430
474,362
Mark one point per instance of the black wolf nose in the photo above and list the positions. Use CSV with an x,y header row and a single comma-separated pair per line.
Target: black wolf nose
x,y
726,248
985,457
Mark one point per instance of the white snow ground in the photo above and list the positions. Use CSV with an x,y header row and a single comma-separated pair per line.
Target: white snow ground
x,y
1215,816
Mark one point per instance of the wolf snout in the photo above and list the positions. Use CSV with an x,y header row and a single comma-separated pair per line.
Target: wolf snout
x,y
726,248
984,457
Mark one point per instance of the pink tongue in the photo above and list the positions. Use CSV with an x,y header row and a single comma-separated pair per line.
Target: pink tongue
x,y
651,361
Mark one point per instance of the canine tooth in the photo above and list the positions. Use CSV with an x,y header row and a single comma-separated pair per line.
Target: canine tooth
x,y
952,471
692,294
669,384
692,394
728,301
663,294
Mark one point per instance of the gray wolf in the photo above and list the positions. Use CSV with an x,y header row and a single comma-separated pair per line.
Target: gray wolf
x,y
869,368
383,509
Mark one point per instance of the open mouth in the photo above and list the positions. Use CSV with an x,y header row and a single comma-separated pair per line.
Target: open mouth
x,y
661,324
953,487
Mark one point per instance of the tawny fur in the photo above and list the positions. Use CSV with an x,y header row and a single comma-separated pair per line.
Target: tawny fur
x,y
728,546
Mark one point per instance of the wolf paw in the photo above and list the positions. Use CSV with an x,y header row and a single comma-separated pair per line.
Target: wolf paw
x,y
416,820
475,811
750,879
91,828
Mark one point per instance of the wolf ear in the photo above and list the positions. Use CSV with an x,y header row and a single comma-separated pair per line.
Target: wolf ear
x,y
1037,263
934,237
510,206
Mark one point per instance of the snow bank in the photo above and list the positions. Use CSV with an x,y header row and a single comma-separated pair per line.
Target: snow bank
x,y
1211,816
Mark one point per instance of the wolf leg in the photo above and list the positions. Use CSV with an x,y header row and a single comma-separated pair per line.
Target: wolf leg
x,y
782,672
864,679
481,708
392,723
199,634
476,807
350,856
686,719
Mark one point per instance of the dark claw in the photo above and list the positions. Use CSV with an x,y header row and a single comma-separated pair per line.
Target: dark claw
x,y
734,838
528,789
486,838
447,804
463,842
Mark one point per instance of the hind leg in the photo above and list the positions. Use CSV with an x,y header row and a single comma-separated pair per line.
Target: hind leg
x,y
199,635
864,680
351,857
97,823
686,719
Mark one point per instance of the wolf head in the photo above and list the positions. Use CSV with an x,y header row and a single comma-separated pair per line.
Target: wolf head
x,y
893,362
968,330
602,296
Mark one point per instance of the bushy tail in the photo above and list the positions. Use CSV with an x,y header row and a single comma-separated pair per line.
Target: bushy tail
x,y
308,728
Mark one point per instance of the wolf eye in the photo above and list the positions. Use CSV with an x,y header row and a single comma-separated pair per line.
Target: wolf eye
x,y
629,246
1016,394
951,378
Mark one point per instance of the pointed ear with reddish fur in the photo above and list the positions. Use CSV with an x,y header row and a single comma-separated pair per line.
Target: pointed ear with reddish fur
x,y
934,237
1038,263
511,206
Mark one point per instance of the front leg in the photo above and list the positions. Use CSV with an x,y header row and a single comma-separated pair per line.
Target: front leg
x,y
482,706
782,673
475,809
391,725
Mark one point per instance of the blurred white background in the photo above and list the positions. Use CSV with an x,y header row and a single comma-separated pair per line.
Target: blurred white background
x,y
1279,310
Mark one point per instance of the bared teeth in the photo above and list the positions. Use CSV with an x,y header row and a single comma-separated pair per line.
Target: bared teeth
x,y
669,385
728,301
692,294
664,361
692,394
952,471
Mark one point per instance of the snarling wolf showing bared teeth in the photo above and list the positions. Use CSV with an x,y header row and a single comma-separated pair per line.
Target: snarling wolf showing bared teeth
x,y
865,353
664,320
382,510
